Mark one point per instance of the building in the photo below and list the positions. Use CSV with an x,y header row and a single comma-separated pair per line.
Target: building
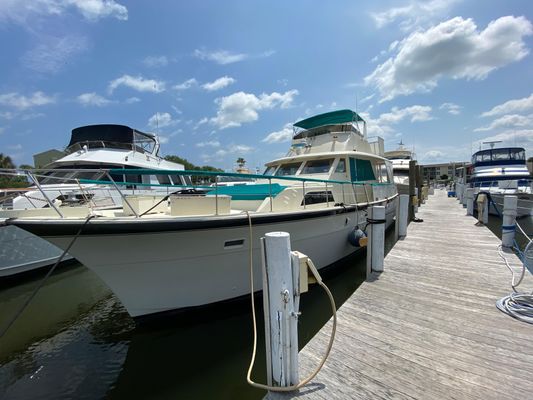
x,y
443,171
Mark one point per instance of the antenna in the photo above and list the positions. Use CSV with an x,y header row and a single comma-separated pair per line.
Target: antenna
x,y
492,143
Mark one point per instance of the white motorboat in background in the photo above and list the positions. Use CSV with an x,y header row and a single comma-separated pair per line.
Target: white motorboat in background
x,y
159,257
91,150
400,166
503,171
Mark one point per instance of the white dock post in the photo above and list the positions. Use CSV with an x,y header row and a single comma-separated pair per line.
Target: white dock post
x,y
401,217
483,208
464,196
376,245
510,204
281,315
470,201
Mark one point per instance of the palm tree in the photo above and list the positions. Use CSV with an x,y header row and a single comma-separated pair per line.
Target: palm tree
x,y
6,162
241,162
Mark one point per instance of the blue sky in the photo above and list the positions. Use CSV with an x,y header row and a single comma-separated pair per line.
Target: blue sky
x,y
218,80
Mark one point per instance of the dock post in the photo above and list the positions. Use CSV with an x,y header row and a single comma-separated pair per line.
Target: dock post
x,y
412,189
280,302
376,245
470,201
483,208
401,217
510,204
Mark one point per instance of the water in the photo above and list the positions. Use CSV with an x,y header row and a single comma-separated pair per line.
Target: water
x,y
76,340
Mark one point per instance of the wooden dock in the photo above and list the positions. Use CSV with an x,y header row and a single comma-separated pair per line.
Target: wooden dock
x,y
428,328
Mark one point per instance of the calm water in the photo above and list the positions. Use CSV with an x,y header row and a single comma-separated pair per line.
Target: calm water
x,y
76,340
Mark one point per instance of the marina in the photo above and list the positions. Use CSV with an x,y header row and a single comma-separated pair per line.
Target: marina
x,y
427,327
266,200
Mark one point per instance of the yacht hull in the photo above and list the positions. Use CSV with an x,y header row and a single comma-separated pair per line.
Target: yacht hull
x,y
187,263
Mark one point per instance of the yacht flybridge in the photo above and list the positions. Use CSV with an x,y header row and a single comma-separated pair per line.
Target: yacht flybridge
x,y
91,152
400,165
501,171
177,252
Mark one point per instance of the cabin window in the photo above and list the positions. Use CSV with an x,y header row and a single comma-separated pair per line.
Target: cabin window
x,y
270,170
288,169
361,170
341,166
517,154
382,173
317,166
163,179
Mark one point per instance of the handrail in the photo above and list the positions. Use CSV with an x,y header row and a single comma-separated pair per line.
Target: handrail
x,y
234,174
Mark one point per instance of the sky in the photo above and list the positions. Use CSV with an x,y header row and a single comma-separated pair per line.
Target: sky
x,y
219,80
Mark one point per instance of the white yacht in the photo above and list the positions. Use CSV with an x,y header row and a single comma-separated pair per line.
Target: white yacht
x,y
183,252
400,166
92,150
503,171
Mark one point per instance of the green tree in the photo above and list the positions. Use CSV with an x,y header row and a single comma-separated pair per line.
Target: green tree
x,y
191,167
7,181
6,162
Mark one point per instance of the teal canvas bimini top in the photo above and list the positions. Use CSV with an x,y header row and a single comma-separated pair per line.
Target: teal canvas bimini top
x,y
257,191
329,118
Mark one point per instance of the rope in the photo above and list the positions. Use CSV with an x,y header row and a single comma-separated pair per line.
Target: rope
x,y
43,281
518,305
254,351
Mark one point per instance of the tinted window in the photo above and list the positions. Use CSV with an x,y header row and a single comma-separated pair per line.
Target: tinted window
x,y
288,169
317,166
341,166
270,170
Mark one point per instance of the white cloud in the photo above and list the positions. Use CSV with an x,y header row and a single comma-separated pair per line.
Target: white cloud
x,y
414,14
163,139
414,113
137,83
453,49
433,155
220,56
511,106
510,120
452,108
92,99
186,85
230,150
24,11
52,54
161,120
155,61
284,135
212,143
240,107
218,84
367,98
22,102
382,126
96,9
131,100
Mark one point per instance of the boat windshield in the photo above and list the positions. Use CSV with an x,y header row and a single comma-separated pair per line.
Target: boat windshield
x,y
317,166
513,154
288,169
270,170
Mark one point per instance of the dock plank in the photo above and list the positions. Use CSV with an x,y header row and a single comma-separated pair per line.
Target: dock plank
x,y
428,327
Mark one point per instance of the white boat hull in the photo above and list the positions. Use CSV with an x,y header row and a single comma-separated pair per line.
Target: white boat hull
x,y
154,272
